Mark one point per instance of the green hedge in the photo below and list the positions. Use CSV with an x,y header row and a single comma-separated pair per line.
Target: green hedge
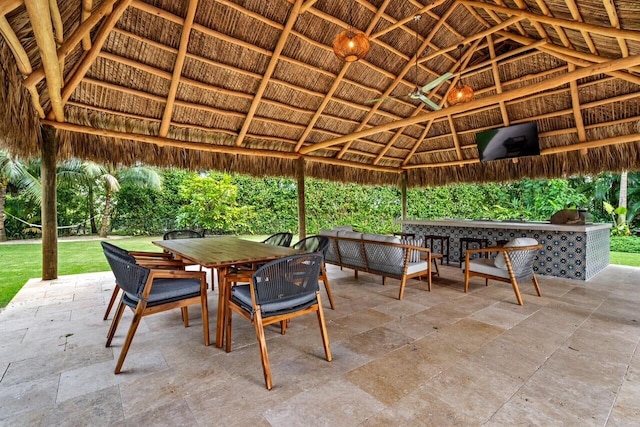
x,y
629,244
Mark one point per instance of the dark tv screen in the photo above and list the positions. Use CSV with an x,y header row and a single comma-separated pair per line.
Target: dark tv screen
x,y
508,142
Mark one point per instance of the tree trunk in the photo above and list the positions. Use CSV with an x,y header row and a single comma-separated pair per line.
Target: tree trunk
x,y
92,211
49,207
105,216
3,198
622,201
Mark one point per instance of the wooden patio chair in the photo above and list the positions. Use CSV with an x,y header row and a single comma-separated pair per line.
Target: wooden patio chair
x,y
279,291
318,244
513,263
149,291
161,260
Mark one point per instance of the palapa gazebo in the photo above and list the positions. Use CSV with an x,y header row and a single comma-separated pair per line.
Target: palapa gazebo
x,y
255,87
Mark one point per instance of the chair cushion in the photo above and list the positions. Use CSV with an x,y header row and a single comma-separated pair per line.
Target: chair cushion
x,y
380,238
415,267
486,266
414,256
167,290
242,296
500,262
350,234
343,228
325,232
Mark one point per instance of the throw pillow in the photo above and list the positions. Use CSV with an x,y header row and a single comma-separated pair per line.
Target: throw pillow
x,y
414,256
500,262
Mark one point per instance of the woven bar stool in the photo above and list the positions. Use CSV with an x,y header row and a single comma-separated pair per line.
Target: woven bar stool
x,y
466,241
444,246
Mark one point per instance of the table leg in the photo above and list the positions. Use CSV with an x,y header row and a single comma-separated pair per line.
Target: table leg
x,y
222,306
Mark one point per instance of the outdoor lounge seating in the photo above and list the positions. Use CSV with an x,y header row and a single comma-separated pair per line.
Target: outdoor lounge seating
x,y
377,254
279,291
182,234
148,291
513,263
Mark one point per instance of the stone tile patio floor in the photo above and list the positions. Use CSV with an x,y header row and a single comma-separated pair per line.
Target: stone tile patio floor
x,y
433,359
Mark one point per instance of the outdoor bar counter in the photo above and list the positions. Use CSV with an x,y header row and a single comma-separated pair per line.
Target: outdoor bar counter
x,y
569,251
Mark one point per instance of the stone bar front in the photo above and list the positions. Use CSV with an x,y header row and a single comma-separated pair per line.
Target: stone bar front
x,y
569,251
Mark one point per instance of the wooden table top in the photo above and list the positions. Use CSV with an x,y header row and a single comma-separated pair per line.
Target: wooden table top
x,y
214,252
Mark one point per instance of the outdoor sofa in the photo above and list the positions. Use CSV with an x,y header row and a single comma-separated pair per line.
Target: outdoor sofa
x,y
386,256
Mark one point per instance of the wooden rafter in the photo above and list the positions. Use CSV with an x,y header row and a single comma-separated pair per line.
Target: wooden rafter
x,y
336,82
40,17
579,26
575,14
454,137
405,20
177,68
92,54
497,82
580,58
539,28
615,23
464,61
408,66
518,25
73,40
575,103
558,29
87,5
7,6
56,19
553,82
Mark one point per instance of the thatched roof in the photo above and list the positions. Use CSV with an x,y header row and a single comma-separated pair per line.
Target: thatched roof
x,y
253,86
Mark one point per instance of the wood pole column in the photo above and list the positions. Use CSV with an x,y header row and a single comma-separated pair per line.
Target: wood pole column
x,y
403,190
49,150
302,210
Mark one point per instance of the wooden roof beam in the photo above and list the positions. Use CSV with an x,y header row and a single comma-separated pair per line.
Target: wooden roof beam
x,y
40,17
539,28
575,14
551,83
9,6
399,78
407,19
496,80
563,36
177,68
575,104
336,83
518,25
579,26
581,58
85,13
464,61
615,23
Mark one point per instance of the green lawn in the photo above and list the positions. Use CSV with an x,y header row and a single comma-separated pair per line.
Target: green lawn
x,y
23,261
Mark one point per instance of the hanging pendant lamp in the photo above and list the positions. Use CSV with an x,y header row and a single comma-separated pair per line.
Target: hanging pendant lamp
x,y
460,93
351,44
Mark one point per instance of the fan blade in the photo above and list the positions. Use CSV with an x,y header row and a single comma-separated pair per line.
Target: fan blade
x,y
436,82
373,101
429,103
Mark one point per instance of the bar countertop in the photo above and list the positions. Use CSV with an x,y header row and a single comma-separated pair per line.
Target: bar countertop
x,y
510,224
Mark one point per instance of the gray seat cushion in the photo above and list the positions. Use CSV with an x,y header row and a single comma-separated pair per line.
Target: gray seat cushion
x,y
242,296
167,290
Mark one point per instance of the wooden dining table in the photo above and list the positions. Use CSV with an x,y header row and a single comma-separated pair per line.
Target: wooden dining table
x,y
222,252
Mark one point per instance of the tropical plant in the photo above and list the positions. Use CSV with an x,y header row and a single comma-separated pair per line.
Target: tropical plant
x,y
212,204
14,172
620,227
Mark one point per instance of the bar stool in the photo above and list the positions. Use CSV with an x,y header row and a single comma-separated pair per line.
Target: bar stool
x,y
501,242
404,235
466,241
443,250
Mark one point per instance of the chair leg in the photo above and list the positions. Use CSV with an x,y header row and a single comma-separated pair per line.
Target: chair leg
x,y
514,283
466,276
325,279
228,316
323,331
535,283
402,283
262,343
114,323
137,316
204,303
435,264
185,316
114,296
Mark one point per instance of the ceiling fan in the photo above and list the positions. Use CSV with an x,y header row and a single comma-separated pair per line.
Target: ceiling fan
x,y
419,93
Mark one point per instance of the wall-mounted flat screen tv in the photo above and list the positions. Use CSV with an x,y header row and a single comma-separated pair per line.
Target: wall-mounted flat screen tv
x,y
509,142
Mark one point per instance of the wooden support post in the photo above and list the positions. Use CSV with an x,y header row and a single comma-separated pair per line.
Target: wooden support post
x,y
49,150
403,190
302,210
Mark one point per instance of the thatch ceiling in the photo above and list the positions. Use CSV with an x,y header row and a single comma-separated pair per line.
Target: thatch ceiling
x,y
253,86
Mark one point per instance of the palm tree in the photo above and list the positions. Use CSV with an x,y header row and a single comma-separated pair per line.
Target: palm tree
x,y
622,198
90,175
14,172
141,176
